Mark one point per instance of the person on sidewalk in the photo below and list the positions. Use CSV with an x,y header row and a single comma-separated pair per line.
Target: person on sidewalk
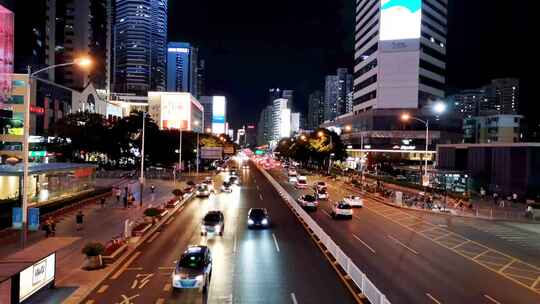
x,y
514,197
79,220
102,202
501,203
47,228
117,193
125,201
52,223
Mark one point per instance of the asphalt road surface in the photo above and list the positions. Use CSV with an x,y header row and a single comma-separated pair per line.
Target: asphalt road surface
x,y
412,259
278,265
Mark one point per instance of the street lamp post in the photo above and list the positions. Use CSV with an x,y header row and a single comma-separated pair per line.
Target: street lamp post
x,y
438,108
180,154
142,158
83,62
196,123
321,134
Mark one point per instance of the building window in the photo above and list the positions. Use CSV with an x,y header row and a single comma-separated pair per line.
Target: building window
x,y
16,99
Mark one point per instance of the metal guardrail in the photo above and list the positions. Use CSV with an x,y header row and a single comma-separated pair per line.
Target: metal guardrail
x,y
372,293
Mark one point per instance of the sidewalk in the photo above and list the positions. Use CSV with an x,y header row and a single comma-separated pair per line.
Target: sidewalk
x,y
100,224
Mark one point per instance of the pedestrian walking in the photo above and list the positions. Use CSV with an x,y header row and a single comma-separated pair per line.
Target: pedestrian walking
x,y
47,228
117,193
52,223
79,220
501,203
482,193
152,188
102,202
125,201
495,196
514,197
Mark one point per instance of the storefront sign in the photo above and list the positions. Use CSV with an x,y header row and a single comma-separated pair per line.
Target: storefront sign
x,y
16,218
37,153
33,219
83,172
37,276
37,110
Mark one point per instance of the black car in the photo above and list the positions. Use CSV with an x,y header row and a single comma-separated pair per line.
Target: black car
x,y
258,218
213,222
233,180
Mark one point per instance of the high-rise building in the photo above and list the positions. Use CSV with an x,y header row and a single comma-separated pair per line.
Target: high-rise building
x,y
337,89
6,52
273,94
469,102
76,28
289,95
182,68
201,74
503,95
281,121
264,127
295,122
140,42
315,110
400,53
215,114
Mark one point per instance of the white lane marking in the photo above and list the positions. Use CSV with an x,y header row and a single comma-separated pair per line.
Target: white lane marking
x,y
293,298
400,243
433,299
275,242
364,243
326,213
492,299
260,196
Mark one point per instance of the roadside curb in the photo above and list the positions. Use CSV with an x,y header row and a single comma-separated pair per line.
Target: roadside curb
x,y
78,298
346,280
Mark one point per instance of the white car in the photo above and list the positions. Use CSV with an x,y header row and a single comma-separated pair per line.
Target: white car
x,y
193,270
354,201
301,182
320,185
293,178
322,194
308,201
342,209
202,190
210,183
226,187
292,172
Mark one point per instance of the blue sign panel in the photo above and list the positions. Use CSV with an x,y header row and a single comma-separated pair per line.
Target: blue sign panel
x,y
33,219
16,218
218,119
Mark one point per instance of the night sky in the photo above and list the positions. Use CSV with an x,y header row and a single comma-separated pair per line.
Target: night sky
x,y
251,46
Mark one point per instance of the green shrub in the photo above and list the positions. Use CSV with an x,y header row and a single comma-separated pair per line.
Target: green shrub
x,y
152,212
93,249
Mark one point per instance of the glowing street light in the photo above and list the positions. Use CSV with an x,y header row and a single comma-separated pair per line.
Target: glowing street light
x,y
348,128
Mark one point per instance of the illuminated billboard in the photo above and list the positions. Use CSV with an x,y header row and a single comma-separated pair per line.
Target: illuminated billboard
x,y
36,277
6,52
175,110
218,114
400,19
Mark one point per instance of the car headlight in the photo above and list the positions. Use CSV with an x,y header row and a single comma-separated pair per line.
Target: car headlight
x,y
217,227
199,278
264,222
250,222
176,277
203,228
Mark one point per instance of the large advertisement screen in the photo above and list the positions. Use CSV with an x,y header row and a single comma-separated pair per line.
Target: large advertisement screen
x,y
175,111
6,52
218,114
36,277
400,19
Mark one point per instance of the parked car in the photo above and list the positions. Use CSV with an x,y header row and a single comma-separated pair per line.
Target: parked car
x,y
341,209
193,269
213,222
210,183
354,200
308,201
258,218
293,178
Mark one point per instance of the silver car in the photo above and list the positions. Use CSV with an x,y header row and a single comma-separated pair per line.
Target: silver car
x,y
193,270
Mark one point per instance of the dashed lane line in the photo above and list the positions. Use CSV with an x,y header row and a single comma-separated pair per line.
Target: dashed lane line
x,y
433,298
102,289
153,237
491,299
275,242
167,287
364,243
402,244
293,298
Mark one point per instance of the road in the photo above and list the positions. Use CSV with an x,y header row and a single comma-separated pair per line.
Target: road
x,y
278,265
416,260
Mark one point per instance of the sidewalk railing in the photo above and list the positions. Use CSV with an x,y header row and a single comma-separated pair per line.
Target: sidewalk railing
x,y
374,295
